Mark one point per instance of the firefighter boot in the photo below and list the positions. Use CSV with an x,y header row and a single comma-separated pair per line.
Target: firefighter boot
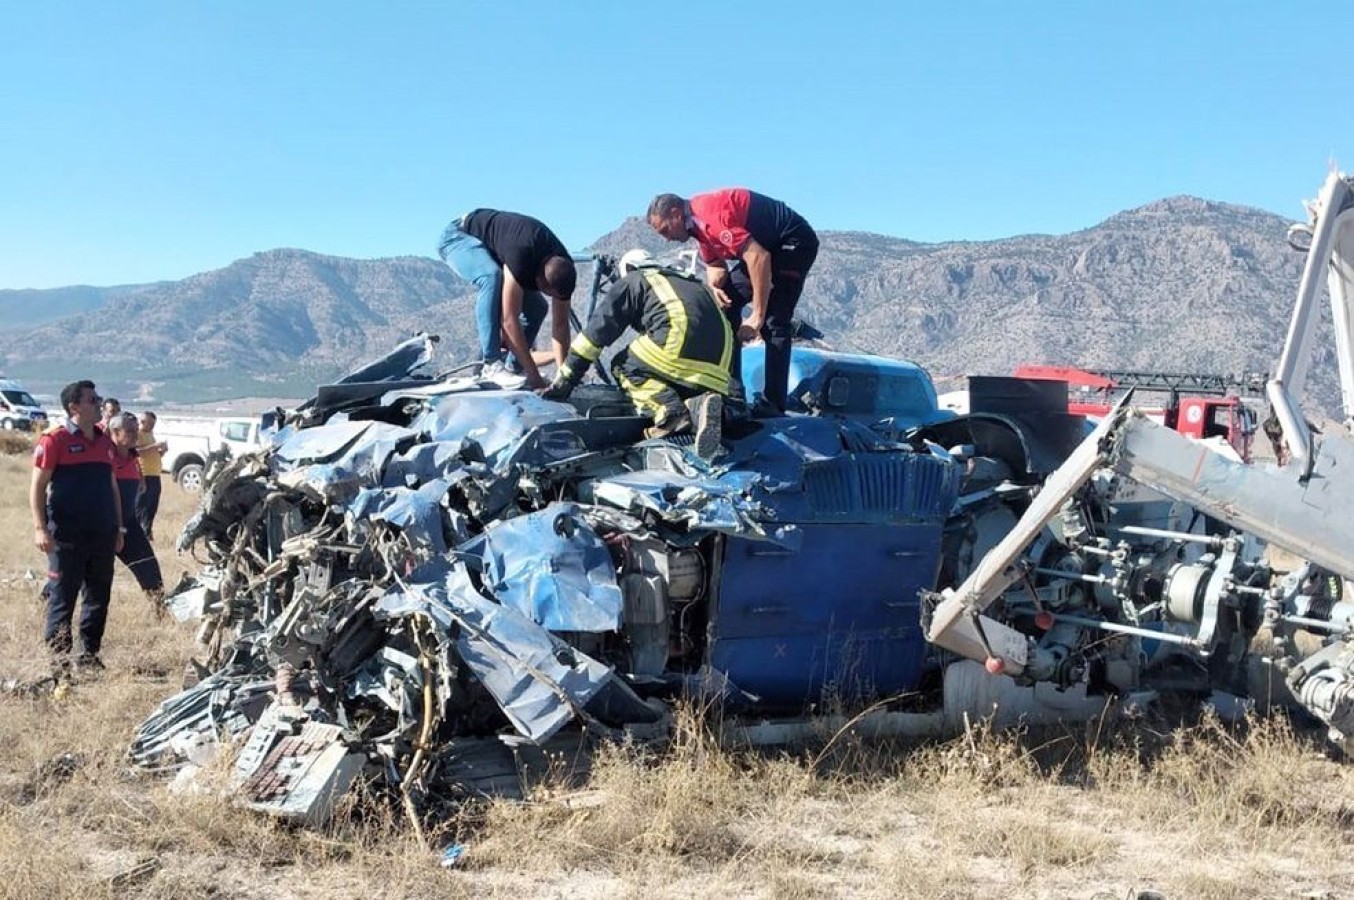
x,y
707,415
672,425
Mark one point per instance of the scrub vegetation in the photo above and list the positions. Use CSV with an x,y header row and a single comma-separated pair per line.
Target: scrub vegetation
x,y
1099,810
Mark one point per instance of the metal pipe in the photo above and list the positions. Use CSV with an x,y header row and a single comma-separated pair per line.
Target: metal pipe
x,y
1318,624
1148,633
1290,376
1170,535
1072,576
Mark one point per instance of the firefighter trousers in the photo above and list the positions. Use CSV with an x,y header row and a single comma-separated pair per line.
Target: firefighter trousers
x,y
654,394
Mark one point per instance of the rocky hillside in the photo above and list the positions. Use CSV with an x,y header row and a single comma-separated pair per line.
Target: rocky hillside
x,y
1180,284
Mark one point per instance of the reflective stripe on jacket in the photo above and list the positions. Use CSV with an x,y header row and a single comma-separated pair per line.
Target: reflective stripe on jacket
x,y
683,335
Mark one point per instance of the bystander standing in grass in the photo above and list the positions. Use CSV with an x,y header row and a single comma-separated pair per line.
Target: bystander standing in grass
x,y
136,553
150,451
76,511
111,407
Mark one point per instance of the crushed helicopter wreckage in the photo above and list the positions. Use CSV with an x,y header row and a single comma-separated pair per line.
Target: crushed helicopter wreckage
x,y
420,572
413,562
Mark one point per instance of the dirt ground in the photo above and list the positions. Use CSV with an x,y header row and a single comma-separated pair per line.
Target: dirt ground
x,y
1098,811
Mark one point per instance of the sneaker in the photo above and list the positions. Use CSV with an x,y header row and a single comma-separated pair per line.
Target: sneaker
x,y
498,373
673,426
707,413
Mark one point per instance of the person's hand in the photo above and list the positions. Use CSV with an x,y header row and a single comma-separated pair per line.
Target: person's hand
x,y
559,389
750,331
43,539
536,383
722,297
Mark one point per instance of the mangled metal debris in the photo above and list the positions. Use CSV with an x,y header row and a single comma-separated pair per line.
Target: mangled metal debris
x,y
440,562
419,573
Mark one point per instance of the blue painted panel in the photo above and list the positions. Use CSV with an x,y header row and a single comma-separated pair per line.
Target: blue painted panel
x,y
841,612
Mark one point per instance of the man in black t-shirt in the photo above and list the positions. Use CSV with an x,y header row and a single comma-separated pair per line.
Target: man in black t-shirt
x,y
515,262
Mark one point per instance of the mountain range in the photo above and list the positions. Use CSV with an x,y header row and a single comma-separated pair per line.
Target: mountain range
x,y
1181,284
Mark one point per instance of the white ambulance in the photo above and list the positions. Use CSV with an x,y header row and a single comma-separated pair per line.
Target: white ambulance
x,y
18,410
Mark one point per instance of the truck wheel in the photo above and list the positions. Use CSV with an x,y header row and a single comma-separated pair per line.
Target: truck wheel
x,y
190,478
7,424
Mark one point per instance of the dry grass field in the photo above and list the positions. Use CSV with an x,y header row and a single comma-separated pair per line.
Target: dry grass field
x,y
1098,811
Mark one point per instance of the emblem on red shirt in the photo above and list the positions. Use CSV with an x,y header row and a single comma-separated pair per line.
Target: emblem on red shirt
x,y
726,238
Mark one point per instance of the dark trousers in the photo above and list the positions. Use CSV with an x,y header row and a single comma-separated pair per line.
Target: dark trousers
x,y
138,556
653,394
84,562
789,267
148,504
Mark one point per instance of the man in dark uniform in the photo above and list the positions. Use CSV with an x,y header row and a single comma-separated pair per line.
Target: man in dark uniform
x,y
776,247
515,262
76,515
677,370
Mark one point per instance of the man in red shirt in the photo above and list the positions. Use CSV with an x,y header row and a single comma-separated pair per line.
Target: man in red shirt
x,y
776,248
136,553
76,522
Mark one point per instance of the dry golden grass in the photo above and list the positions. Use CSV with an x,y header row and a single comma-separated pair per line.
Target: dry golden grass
x,y
15,443
1211,812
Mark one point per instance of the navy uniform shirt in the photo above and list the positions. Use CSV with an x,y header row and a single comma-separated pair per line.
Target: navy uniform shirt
x,y
80,500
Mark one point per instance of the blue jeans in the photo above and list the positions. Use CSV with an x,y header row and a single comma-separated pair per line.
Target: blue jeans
x,y
471,260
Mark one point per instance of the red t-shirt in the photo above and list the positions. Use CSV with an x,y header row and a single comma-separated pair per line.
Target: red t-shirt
x,y
720,220
126,468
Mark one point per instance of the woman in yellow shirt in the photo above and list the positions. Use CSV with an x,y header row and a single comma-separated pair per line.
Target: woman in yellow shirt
x,y
150,451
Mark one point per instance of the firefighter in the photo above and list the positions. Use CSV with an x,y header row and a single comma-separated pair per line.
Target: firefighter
x,y
677,370
76,510
776,248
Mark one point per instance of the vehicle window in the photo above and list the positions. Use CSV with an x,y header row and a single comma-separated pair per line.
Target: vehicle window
x,y
19,398
1219,422
235,431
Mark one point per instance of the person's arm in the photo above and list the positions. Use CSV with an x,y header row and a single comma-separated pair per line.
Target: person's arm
x,y
513,333
559,329
715,276
609,319
37,504
117,506
758,261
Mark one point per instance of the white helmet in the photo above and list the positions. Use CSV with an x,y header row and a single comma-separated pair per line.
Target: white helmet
x,y
636,259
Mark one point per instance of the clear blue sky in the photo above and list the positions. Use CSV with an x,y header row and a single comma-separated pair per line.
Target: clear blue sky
x,y
151,140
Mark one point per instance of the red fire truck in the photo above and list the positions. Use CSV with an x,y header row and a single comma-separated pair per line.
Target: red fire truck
x,y
1197,406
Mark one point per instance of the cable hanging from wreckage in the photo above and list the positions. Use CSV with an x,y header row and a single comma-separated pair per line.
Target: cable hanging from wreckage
x,y
419,570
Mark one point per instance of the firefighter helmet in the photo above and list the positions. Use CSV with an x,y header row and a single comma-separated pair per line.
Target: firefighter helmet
x,y
636,259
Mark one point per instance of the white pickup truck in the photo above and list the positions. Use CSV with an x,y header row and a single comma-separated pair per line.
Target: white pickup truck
x,y
192,441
